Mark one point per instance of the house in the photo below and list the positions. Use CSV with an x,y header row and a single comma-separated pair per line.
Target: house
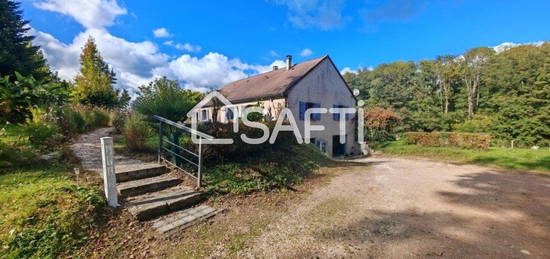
x,y
316,83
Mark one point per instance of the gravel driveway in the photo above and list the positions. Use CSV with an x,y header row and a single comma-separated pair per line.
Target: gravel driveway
x,y
415,208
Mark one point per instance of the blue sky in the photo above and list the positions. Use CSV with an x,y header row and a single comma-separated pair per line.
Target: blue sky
x,y
206,44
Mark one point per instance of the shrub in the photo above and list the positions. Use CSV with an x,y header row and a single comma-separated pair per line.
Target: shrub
x,y
165,98
454,139
380,124
136,130
43,136
100,118
71,121
283,165
477,124
119,118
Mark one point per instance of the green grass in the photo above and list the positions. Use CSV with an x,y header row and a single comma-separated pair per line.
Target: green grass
x,y
522,159
44,213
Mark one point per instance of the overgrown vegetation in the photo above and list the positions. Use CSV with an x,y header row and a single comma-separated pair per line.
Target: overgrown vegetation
x,y
44,213
277,167
521,159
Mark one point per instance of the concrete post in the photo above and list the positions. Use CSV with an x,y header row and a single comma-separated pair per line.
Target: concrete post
x,y
109,178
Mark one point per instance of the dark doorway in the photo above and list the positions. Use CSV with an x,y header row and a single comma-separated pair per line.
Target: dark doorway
x,y
337,148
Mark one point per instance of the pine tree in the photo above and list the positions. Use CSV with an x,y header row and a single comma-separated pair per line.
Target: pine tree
x,y
17,54
94,84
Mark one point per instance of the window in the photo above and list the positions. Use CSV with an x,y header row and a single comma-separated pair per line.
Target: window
x,y
336,116
229,114
204,115
304,106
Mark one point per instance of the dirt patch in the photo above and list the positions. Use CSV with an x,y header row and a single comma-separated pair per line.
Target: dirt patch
x,y
410,208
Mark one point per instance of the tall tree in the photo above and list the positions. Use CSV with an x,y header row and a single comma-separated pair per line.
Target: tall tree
x,y
17,54
472,67
447,72
94,84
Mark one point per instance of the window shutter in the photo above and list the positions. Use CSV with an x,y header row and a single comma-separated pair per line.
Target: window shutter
x,y
317,116
335,116
302,110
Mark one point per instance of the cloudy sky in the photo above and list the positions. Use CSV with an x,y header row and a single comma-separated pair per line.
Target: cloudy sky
x,y
206,44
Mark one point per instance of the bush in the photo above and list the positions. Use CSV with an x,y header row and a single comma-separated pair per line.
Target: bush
x,y
44,136
100,118
14,154
77,119
477,124
454,139
136,130
165,98
278,167
119,118
381,124
71,121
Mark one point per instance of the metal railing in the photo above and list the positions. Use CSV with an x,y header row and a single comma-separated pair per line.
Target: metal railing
x,y
173,153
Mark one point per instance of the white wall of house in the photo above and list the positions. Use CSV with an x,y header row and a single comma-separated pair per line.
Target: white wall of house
x,y
324,86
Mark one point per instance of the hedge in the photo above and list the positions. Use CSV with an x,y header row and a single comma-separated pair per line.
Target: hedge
x,y
452,139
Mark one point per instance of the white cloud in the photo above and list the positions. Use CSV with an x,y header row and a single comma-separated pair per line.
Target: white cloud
x,y
324,14
273,54
306,52
136,63
162,33
509,45
183,46
89,13
348,70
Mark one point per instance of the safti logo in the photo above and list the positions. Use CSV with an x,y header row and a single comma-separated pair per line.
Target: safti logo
x,y
284,115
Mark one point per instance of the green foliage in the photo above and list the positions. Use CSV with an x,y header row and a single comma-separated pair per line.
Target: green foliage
x,y
43,136
17,54
458,93
94,84
477,124
453,139
18,96
136,130
44,214
165,98
118,120
278,167
522,159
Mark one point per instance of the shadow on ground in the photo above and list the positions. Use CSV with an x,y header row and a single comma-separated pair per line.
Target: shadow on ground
x,y
492,215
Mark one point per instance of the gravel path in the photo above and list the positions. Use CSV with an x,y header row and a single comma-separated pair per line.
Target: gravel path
x,y
87,147
415,208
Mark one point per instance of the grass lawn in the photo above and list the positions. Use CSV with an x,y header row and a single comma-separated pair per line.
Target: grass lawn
x,y
44,213
522,159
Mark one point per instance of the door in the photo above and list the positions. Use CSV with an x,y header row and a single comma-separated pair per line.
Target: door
x,y
337,148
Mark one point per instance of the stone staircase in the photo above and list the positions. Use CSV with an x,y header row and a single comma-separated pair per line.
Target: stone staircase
x,y
151,193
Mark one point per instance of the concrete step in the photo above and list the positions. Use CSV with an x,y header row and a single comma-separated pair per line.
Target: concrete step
x,y
156,204
183,219
151,184
131,172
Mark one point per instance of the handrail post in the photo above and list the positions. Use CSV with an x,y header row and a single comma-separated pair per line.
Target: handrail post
x,y
160,141
199,176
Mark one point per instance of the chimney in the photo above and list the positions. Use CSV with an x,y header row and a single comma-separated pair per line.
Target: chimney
x,y
275,68
288,62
